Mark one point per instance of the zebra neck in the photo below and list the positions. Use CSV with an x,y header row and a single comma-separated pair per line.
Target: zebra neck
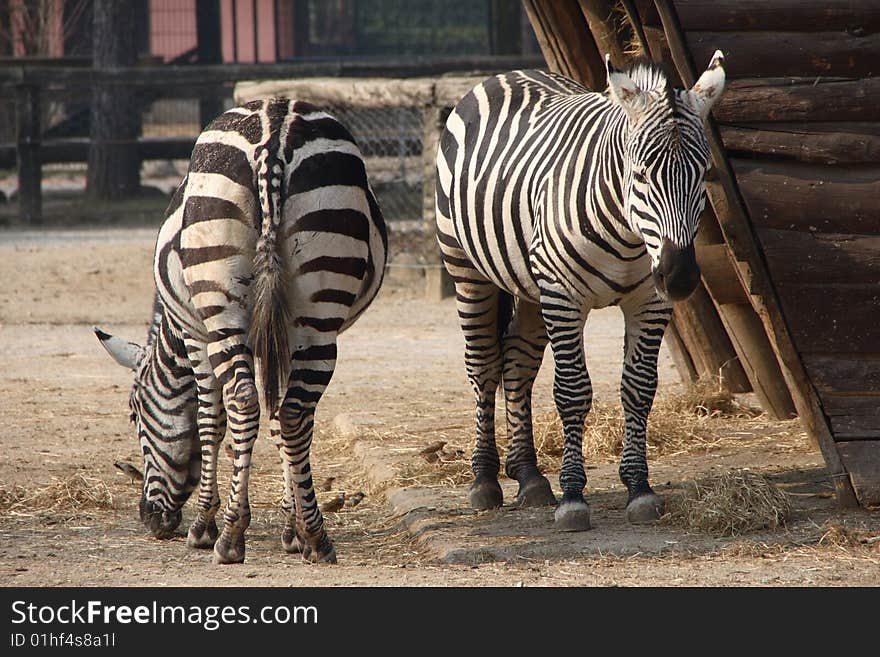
x,y
168,369
607,215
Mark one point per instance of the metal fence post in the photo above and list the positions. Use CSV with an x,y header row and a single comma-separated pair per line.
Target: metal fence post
x,y
30,172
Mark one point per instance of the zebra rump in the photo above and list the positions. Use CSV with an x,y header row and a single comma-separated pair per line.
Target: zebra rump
x,y
272,245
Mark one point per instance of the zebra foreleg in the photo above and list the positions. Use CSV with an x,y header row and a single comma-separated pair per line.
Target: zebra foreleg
x,y
573,394
645,326
478,314
304,531
211,421
523,344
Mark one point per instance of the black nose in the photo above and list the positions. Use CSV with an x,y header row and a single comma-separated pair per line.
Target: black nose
x,y
161,523
677,274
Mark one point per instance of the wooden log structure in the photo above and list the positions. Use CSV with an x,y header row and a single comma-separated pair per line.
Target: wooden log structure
x,y
790,251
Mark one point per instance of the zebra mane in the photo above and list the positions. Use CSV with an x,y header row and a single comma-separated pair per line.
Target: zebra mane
x,y
652,77
158,311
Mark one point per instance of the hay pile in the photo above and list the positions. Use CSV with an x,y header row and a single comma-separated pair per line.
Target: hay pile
x,y
72,493
729,504
701,416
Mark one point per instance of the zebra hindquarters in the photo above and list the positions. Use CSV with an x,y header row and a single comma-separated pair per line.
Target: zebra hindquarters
x,y
329,269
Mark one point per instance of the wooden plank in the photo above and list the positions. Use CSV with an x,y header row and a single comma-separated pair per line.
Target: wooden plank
x,y
566,41
719,275
853,417
855,16
707,342
164,76
821,258
862,460
684,364
832,318
799,99
849,143
836,373
786,53
733,218
600,17
819,198
757,358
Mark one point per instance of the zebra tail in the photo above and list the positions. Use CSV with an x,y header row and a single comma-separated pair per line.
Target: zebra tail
x,y
270,315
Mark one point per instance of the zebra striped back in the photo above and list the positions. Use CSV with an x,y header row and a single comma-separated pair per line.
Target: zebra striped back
x,y
272,245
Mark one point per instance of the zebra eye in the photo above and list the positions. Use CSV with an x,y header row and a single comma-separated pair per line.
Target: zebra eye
x,y
640,177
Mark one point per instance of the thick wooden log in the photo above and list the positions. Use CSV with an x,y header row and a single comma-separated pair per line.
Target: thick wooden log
x,y
707,342
853,417
758,359
798,257
822,143
816,198
733,218
833,318
566,41
862,461
680,355
844,373
719,275
854,16
766,54
799,99
603,25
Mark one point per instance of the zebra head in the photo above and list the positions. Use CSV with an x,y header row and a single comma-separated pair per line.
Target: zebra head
x,y
665,163
163,408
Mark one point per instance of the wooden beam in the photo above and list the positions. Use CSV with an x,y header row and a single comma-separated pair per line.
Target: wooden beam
x,y
30,166
799,99
603,26
862,461
566,42
853,16
823,143
733,219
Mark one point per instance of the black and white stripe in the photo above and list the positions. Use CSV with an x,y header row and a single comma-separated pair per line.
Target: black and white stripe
x,y
272,246
552,200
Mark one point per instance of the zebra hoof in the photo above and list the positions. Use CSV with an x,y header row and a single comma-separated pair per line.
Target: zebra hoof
x,y
572,516
321,552
291,541
485,493
645,509
229,550
202,535
535,491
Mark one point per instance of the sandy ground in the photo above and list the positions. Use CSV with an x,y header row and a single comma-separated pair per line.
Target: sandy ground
x,y
63,405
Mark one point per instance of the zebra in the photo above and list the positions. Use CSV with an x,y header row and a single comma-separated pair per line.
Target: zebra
x,y
272,245
552,200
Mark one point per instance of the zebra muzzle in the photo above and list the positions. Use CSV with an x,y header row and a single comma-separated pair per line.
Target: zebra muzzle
x,y
677,274
160,522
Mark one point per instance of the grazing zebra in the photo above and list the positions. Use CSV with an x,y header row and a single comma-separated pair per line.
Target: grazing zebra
x,y
272,245
552,200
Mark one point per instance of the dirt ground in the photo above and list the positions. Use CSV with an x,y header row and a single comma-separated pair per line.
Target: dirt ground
x,y
400,384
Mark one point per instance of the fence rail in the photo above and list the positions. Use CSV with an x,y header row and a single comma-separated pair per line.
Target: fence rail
x,y
32,90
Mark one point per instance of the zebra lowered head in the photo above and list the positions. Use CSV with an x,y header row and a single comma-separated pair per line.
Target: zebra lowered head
x,y
166,426
666,159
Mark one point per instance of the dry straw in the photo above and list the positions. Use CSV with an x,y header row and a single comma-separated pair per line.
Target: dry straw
x,y
729,504
71,493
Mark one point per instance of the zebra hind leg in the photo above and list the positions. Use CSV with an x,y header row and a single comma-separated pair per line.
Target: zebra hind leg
x,y
243,414
523,344
304,531
478,308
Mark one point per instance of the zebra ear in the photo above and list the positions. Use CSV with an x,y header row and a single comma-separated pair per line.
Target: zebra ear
x,y
127,354
708,89
624,91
